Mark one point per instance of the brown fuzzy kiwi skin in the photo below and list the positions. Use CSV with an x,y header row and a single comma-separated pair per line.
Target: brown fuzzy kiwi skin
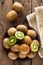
x,y
11,15
5,43
22,28
12,55
17,6
27,40
31,54
11,31
31,33
24,48
15,48
22,56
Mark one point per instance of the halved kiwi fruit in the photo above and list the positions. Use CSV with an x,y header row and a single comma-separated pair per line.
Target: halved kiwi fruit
x,y
34,47
12,40
19,35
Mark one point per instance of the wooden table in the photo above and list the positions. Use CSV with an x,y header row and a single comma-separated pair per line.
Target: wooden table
x,y
5,6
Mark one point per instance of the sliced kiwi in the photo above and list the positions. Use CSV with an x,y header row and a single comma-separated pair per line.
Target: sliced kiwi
x,y
34,47
19,35
12,40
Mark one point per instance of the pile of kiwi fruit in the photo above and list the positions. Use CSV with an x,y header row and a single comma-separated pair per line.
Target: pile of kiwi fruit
x,y
22,42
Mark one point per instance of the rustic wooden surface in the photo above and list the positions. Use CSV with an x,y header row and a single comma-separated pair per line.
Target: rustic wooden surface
x,y
5,6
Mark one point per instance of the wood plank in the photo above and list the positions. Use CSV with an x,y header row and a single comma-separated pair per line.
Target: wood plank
x,y
5,8
4,60
22,62
37,60
21,19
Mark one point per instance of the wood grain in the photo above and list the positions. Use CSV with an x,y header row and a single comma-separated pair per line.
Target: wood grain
x,y
4,8
37,61
23,62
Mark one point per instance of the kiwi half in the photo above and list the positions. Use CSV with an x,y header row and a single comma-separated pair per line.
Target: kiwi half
x,y
12,40
19,35
34,47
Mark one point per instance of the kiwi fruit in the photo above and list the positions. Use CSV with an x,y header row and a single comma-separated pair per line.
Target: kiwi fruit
x,y
31,54
27,40
12,40
34,47
11,31
19,35
31,33
36,41
24,49
22,56
15,48
18,6
11,15
22,28
5,43
12,55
